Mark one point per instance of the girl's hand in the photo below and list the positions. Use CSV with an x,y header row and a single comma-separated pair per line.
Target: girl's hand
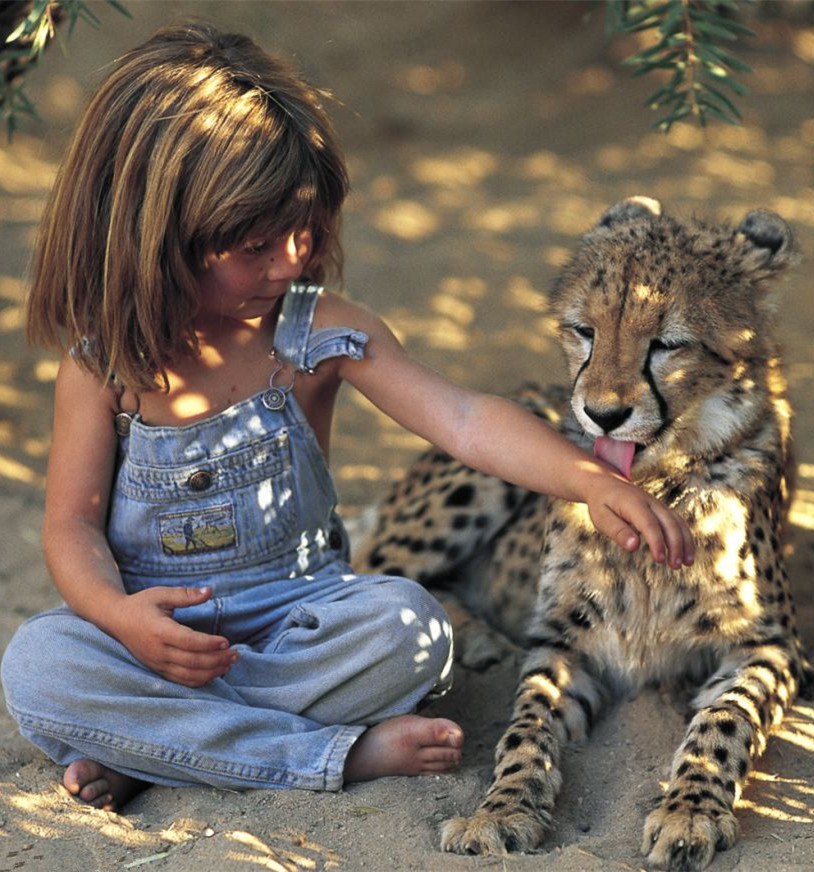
x,y
147,629
623,511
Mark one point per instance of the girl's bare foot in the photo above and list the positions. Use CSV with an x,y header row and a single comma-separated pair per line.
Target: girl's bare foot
x,y
99,786
407,745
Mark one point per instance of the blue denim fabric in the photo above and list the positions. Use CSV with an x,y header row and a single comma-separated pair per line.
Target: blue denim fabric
x,y
242,502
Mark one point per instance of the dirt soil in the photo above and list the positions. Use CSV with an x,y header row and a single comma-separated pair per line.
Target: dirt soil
x,y
483,138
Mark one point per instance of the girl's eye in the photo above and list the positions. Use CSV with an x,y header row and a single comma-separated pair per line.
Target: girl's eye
x,y
256,246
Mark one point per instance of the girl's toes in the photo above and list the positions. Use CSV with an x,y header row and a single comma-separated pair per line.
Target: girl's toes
x,y
104,802
93,790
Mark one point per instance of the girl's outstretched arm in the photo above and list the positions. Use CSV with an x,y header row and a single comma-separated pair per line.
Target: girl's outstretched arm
x,y
80,474
499,437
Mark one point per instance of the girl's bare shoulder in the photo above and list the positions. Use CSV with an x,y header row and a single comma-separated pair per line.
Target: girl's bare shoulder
x,y
335,310
77,386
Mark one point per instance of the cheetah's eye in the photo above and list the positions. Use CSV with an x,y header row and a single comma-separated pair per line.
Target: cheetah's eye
x,y
581,330
660,344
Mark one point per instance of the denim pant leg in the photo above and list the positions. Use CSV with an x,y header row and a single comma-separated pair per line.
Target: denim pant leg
x,y
76,692
363,652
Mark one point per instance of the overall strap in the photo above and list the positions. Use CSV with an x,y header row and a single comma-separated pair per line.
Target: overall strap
x,y
294,324
297,343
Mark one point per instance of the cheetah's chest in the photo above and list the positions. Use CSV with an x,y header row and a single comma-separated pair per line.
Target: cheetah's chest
x,y
638,621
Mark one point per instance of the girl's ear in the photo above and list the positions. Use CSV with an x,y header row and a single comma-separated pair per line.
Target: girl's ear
x,y
631,209
763,241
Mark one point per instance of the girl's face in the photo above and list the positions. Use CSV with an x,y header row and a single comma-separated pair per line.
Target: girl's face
x,y
248,282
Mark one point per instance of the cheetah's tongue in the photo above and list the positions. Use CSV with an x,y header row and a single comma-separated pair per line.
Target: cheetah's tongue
x,y
617,453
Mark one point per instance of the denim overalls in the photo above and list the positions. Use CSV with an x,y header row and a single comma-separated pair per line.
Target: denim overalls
x,y
242,502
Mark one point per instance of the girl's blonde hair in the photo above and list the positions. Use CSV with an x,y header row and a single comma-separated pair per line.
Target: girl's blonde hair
x,y
196,142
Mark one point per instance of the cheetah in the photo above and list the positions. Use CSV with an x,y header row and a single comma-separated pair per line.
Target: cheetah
x,y
676,378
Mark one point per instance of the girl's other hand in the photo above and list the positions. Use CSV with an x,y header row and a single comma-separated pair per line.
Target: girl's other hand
x,y
626,513
147,629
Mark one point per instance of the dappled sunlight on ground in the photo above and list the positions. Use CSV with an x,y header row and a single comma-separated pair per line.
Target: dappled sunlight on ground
x,y
286,853
25,376
50,825
51,813
775,795
802,509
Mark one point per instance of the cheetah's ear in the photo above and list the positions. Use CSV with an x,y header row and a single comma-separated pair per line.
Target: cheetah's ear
x,y
631,209
765,241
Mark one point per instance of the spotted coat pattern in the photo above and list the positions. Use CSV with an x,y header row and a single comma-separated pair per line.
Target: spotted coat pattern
x,y
669,340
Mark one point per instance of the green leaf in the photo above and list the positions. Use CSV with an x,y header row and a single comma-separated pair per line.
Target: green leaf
x,y
677,114
713,94
88,14
720,115
711,30
31,22
670,63
646,53
615,11
728,59
120,7
686,36
667,99
673,21
738,87
730,24
35,32
667,122
721,77
11,54
17,32
652,12
23,104
654,99
41,38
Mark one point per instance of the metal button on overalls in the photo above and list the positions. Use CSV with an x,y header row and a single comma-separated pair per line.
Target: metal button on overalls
x,y
200,480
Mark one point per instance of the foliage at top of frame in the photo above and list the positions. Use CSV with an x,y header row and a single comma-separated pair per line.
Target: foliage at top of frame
x,y
689,47
26,28
690,35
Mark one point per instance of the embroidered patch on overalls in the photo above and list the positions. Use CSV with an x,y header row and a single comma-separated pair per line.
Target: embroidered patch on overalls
x,y
198,531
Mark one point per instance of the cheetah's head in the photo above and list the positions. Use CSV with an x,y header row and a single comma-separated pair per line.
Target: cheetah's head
x,y
667,330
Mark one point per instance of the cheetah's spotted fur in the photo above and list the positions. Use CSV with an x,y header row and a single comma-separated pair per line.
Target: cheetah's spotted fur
x,y
668,337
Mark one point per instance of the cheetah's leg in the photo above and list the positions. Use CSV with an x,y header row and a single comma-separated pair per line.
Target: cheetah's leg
x,y
556,702
737,708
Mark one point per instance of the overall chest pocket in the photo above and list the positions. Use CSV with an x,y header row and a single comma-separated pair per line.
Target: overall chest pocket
x,y
233,509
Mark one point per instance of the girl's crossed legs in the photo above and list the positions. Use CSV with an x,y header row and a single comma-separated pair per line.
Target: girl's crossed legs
x,y
323,699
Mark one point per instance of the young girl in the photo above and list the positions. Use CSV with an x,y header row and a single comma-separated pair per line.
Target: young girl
x,y
213,631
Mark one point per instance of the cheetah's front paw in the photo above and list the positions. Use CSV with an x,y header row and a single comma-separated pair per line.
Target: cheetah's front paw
x,y
679,837
490,832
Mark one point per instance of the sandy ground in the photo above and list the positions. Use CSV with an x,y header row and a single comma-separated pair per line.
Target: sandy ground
x,y
483,138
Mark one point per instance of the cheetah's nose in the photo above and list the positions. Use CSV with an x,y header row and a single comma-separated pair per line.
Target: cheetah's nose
x,y
609,419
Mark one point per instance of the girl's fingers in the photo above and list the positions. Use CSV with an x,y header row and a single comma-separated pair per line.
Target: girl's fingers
x,y
628,520
625,535
187,639
179,597
626,530
186,669
677,535
195,661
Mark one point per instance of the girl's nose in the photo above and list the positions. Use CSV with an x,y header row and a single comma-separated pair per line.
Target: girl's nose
x,y
288,258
